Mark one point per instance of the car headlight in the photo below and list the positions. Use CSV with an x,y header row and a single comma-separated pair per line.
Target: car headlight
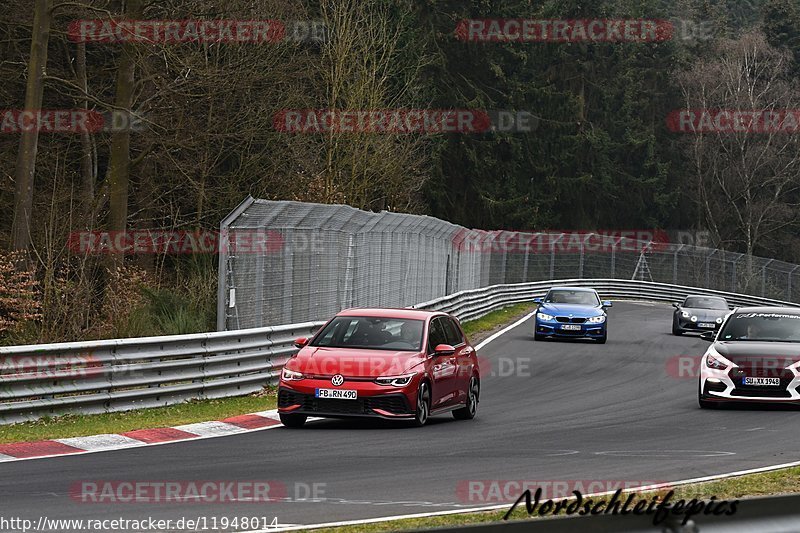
x,y
395,381
291,375
694,319
545,317
685,314
716,364
719,320
597,319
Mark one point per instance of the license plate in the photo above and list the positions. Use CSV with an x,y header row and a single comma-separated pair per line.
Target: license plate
x,y
771,382
337,394
571,327
706,325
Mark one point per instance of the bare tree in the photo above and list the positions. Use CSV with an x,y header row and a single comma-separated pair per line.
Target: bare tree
x,y
747,179
362,68
29,140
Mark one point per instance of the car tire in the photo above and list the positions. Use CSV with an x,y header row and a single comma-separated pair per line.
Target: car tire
x,y
676,330
293,421
470,409
423,410
603,339
538,337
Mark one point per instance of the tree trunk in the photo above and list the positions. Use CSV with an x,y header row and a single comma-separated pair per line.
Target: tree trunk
x,y
29,140
120,157
88,161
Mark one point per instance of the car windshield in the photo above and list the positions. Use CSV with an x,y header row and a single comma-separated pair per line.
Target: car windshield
x,y
562,296
373,333
775,327
702,302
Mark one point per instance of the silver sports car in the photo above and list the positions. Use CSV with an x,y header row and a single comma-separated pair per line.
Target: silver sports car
x,y
699,313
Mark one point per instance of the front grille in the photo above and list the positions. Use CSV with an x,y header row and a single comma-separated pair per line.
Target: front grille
x,y
760,392
393,403
336,407
287,398
759,369
570,320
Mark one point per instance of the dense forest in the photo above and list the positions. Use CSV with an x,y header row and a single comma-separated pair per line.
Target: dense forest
x,y
198,133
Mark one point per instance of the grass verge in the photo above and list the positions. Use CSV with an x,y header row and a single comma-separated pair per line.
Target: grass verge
x,y
198,410
783,481
174,415
480,328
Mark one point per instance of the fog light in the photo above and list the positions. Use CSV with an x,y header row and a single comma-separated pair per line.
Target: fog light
x,y
714,380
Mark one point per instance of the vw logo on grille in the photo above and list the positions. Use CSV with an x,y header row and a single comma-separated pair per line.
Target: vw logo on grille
x,y
337,380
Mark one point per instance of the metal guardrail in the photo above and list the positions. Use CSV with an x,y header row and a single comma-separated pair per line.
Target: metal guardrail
x,y
472,304
122,374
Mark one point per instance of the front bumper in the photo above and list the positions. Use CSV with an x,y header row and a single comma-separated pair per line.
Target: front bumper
x,y
728,386
374,401
556,329
686,324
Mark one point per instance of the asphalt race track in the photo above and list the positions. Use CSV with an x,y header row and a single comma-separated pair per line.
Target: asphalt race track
x,y
567,411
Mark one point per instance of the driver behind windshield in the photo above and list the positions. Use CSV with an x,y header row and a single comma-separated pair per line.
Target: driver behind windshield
x,y
410,333
574,297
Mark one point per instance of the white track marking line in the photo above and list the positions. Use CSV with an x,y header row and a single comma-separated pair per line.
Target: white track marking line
x,y
100,442
212,428
647,488
143,445
504,330
273,413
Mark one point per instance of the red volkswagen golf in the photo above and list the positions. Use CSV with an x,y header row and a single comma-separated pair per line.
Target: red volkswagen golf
x,y
387,363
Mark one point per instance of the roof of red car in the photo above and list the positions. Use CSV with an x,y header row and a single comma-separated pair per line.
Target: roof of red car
x,y
417,314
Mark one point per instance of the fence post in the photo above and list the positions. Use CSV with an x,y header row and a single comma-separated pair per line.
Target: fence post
x,y
348,274
614,257
553,255
525,262
764,278
675,264
789,284
708,267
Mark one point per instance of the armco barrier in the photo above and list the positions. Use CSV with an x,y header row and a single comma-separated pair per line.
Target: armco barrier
x,y
122,374
472,304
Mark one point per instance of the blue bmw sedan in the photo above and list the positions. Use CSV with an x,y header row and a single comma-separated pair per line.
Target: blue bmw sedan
x,y
571,312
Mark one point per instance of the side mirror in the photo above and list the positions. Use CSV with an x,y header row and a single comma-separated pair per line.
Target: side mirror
x,y
300,342
607,303
444,349
676,305
708,336
537,300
